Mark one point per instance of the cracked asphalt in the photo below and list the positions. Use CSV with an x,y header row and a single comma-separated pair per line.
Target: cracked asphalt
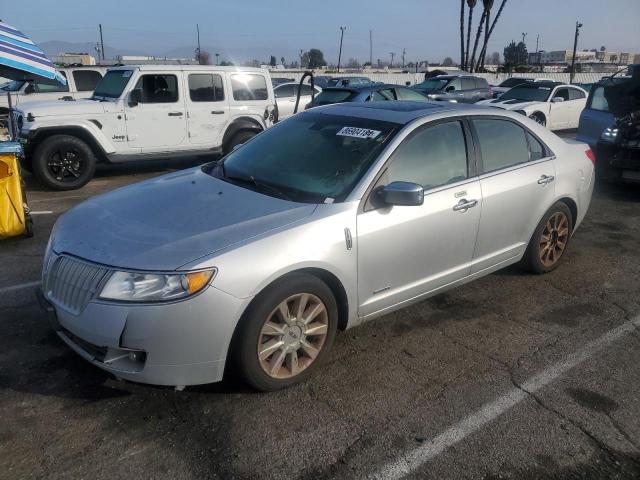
x,y
439,371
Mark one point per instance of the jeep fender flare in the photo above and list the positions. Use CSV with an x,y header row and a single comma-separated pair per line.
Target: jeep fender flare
x,y
241,123
90,134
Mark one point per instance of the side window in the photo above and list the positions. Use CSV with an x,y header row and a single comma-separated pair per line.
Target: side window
x,y
481,82
50,86
382,95
598,101
408,94
205,87
306,90
562,92
502,144
86,80
455,83
431,156
247,87
575,94
158,88
468,83
536,149
284,91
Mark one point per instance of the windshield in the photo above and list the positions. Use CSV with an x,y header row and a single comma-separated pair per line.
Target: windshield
x,y
512,82
433,84
332,96
12,86
112,84
310,158
527,93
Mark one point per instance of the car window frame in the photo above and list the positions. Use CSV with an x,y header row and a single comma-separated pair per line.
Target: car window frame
x,y
548,153
574,89
366,203
82,71
211,74
283,87
151,74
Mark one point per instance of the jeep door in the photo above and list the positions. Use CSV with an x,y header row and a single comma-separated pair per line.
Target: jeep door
x,y
207,107
156,121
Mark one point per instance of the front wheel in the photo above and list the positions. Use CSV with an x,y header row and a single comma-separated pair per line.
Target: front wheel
x,y
550,240
63,162
539,118
286,332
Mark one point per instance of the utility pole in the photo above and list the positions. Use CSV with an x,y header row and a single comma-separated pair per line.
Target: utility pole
x,y
342,29
198,51
575,47
537,51
404,51
371,48
101,42
393,54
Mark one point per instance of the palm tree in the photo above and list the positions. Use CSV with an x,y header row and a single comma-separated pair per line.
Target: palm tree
x,y
475,45
488,5
471,4
483,52
462,34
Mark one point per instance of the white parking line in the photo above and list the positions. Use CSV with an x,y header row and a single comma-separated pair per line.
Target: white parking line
x,y
41,212
415,458
20,286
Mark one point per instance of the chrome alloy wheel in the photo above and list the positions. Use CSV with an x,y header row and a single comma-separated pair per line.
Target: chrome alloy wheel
x,y
554,239
293,335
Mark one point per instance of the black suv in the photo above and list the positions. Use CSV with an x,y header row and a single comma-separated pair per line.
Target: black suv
x,y
455,88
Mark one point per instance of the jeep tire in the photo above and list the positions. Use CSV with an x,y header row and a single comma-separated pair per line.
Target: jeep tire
x,y
63,162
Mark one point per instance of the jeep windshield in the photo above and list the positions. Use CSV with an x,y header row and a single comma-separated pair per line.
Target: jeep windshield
x,y
310,158
528,93
112,84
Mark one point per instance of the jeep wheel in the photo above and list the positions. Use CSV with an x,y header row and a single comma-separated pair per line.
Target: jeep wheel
x,y
238,139
64,162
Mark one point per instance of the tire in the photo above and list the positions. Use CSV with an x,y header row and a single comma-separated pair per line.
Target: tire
x,y
550,240
289,356
539,118
238,138
63,162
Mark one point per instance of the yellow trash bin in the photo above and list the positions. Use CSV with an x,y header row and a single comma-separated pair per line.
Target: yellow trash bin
x,y
14,216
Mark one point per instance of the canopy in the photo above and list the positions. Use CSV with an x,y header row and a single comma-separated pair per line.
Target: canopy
x,y
21,59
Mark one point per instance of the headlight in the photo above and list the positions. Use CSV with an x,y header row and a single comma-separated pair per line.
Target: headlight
x,y
154,287
609,134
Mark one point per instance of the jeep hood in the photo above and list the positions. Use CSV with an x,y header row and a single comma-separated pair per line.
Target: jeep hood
x,y
164,223
62,108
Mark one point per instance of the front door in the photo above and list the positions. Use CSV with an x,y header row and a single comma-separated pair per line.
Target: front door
x,y
560,111
158,121
407,251
207,108
517,181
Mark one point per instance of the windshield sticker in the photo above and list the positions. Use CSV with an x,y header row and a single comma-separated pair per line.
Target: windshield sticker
x,y
358,132
127,74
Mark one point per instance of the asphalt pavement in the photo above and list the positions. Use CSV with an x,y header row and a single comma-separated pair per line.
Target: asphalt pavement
x,y
513,376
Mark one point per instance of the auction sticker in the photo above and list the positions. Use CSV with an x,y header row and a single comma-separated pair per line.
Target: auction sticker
x,y
358,132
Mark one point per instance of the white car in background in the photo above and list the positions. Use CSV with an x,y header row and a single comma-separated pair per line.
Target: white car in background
x,y
286,94
554,105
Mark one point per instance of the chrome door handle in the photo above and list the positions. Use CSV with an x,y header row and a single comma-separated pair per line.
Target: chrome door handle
x,y
464,205
175,114
217,112
544,179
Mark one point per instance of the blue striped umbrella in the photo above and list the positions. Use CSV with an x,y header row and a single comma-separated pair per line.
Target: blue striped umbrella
x,y
21,59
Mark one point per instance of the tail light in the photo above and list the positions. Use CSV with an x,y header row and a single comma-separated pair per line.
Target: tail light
x,y
591,156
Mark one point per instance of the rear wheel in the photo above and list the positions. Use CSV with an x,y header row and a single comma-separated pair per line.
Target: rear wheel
x,y
286,332
539,118
64,162
238,138
550,240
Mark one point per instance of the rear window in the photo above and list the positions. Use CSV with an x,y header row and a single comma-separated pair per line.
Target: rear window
x,y
205,87
333,96
248,87
597,100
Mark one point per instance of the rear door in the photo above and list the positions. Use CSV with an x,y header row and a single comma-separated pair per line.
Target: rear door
x,y
517,181
158,121
207,107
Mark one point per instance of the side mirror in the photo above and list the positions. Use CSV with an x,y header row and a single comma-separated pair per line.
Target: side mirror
x,y
29,89
557,100
401,194
450,88
134,97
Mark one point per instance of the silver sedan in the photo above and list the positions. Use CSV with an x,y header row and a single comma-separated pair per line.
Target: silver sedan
x,y
331,218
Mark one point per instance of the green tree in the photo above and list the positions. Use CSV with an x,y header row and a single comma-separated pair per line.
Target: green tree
x,y
515,55
447,62
314,58
273,61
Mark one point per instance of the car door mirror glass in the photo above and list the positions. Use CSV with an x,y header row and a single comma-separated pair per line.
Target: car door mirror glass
x,y
401,194
134,97
557,99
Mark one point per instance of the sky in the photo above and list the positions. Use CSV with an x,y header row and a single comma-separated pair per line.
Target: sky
x,y
247,29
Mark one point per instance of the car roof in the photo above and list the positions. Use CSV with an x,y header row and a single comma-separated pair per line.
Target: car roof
x,y
191,68
400,112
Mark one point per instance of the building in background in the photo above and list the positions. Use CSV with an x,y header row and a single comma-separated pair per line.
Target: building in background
x,y
74,59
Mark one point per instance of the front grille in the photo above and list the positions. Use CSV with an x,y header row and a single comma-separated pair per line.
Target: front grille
x,y
72,283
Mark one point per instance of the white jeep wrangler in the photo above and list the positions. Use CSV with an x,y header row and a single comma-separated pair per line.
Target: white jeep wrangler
x,y
145,112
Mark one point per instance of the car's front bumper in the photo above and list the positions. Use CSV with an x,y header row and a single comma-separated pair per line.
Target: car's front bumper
x,y
180,343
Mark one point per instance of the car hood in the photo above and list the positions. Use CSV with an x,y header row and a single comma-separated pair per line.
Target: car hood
x,y
62,107
507,104
164,223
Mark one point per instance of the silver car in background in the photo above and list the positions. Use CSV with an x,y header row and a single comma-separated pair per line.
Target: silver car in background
x,y
331,218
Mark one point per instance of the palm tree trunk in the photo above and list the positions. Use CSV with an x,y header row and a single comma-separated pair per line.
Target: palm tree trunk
x,y
466,58
486,40
488,36
475,45
462,34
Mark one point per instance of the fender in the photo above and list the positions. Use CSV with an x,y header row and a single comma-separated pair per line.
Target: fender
x,y
242,123
86,130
